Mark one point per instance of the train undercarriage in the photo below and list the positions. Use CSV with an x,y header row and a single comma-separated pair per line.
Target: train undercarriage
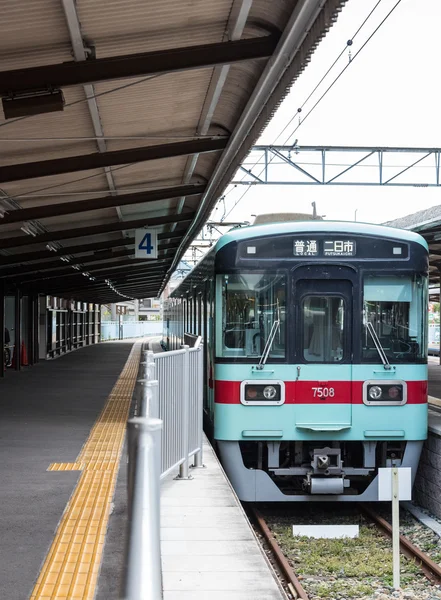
x,y
313,470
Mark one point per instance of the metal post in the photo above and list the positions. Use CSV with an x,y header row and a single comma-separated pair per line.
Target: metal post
x,y
31,329
153,399
149,406
132,446
184,467
395,529
2,329
198,386
36,328
17,348
150,365
143,573
142,410
439,300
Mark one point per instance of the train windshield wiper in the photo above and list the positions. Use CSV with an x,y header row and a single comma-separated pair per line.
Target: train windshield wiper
x,y
378,346
268,345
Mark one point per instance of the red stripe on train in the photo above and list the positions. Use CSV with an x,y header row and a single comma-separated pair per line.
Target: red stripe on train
x,y
307,392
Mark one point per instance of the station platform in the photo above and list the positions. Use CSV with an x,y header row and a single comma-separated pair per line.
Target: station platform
x,y
63,493
434,377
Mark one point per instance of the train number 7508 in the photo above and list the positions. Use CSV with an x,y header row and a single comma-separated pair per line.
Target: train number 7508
x,y
323,392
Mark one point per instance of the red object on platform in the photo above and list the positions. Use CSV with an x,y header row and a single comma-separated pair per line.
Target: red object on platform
x,y
23,355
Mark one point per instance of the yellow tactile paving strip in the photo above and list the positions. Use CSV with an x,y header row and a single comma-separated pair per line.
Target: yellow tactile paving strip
x,y
71,568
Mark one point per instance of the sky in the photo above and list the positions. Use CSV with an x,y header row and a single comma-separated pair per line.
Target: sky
x,y
389,96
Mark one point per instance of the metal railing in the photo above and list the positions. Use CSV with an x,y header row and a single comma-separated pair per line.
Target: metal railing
x,y
165,435
179,374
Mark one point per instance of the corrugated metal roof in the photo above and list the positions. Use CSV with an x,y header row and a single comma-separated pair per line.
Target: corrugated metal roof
x,y
132,113
416,221
427,223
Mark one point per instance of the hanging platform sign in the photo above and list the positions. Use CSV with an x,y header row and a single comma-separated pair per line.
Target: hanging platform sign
x,y
146,243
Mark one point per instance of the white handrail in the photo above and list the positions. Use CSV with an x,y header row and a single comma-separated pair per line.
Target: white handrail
x,y
166,433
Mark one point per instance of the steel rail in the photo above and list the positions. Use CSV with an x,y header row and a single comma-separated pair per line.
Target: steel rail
x,y
294,585
430,569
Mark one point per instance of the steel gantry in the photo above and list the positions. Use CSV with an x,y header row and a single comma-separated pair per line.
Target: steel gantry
x,y
340,165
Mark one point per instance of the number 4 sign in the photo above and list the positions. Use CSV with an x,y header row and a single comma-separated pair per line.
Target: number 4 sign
x,y
146,244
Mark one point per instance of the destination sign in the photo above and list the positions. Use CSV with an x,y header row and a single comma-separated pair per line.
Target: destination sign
x,y
339,248
308,248
313,246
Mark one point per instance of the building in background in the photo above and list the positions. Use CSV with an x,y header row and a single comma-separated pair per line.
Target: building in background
x,y
146,309
150,309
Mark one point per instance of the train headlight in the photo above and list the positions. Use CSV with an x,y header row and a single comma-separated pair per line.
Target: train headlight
x,y
375,392
385,393
269,392
266,393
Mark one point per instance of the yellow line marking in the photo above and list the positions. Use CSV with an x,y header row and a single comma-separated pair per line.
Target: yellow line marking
x,y
72,564
76,466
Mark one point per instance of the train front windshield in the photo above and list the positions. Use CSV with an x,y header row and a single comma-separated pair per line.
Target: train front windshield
x,y
254,310
396,308
253,306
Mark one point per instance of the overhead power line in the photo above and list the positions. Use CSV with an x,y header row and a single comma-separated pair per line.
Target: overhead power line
x,y
329,87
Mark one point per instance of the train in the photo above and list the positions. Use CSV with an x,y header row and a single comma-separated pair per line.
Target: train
x,y
314,336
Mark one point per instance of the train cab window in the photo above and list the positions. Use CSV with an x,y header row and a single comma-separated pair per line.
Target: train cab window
x,y
396,308
253,315
323,328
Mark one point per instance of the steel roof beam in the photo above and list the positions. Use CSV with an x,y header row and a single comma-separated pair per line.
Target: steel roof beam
x,y
135,65
75,277
57,265
70,208
24,257
69,272
236,24
80,54
99,160
66,234
87,285
93,289
114,299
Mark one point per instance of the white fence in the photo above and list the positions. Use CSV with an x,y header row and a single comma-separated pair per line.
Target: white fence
x,y
172,390
179,375
113,330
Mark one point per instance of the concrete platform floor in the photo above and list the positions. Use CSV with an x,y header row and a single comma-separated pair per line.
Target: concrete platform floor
x,y
46,414
434,377
209,551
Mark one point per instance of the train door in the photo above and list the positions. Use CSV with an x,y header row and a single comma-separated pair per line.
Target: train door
x,y
322,350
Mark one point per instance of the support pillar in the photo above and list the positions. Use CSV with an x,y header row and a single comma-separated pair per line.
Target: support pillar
x,y
2,329
31,330
17,327
36,322
439,300
113,312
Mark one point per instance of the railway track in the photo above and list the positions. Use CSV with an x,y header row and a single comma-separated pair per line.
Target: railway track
x,y
293,584
429,568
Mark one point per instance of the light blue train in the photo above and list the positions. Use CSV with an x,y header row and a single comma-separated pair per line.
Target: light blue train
x,y
315,355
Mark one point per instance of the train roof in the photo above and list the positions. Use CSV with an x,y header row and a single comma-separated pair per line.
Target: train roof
x,y
346,227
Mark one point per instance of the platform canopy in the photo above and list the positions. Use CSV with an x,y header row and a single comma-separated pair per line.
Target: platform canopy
x,y
427,223
125,114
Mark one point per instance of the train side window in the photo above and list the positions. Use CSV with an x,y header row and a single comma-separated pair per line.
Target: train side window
x,y
323,327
